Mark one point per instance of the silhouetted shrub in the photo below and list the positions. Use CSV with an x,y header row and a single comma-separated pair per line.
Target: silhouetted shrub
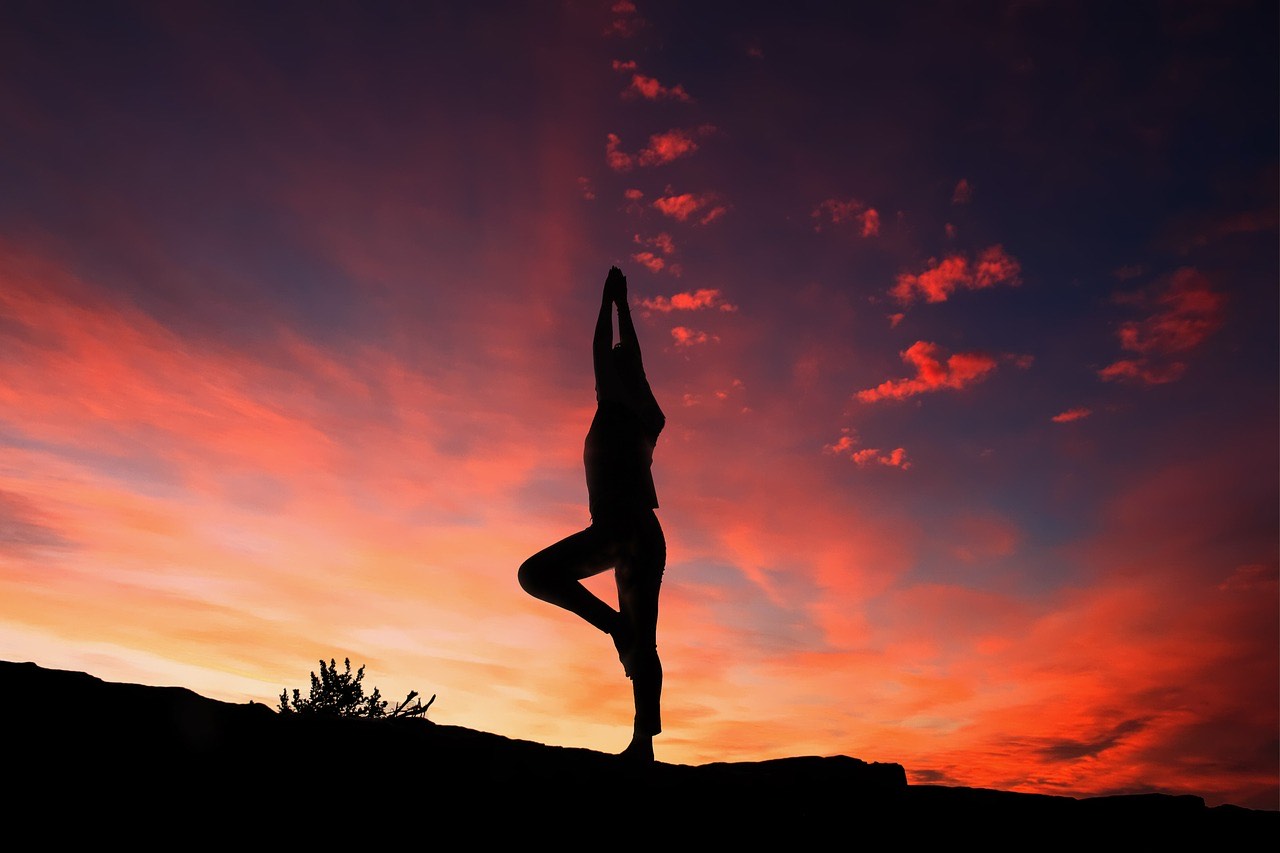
x,y
340,694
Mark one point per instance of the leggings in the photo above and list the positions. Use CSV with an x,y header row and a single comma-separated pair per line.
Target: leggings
x,y
632,544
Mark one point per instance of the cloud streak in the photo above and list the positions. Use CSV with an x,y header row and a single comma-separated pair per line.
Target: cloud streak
x,y
1183,312
941,279
703,208
932,373
696,300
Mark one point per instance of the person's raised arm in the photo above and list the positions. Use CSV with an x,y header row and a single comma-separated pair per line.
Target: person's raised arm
x,y
643,399
626,328
608,383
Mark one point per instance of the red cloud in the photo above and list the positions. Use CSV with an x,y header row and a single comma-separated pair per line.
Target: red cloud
x,y
655,262
833,211
633,194
649,260
932,374
672,145
1076,414
663,148
847,445
1184,314
588,192
682,207
697,300
662,242
956,272
618,160
963,192
627,23
871,223
650,89
624,65
686,337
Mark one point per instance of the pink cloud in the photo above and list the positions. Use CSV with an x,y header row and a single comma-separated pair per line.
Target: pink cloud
x,y
956,272
1183,314
1076,414
962,193
686,337
694,301
588,192
932,374
651,90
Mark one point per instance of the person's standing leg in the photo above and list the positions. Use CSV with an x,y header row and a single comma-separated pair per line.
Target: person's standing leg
x,y
639,579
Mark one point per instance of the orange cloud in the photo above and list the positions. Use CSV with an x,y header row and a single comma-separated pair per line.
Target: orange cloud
x,y
650,89
833,211
1184,313
956,272
1076,414
689,301
686,337
932,374
962,193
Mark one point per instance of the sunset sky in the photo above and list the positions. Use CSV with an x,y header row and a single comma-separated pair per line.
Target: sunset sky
x,y
963,317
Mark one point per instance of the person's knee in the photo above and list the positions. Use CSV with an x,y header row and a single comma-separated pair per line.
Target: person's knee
x,y
531,576
645,660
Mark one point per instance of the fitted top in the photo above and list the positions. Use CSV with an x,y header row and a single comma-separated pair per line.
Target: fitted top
x,y
618,456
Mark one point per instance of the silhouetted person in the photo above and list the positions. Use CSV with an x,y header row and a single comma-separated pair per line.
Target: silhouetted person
x,y
624,533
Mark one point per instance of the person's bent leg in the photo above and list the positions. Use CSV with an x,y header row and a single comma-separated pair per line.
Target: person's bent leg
x,y
554,575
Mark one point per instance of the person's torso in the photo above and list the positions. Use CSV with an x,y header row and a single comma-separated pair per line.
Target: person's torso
x,y
618,457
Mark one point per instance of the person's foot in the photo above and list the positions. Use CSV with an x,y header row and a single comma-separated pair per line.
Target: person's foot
x,y
639,751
